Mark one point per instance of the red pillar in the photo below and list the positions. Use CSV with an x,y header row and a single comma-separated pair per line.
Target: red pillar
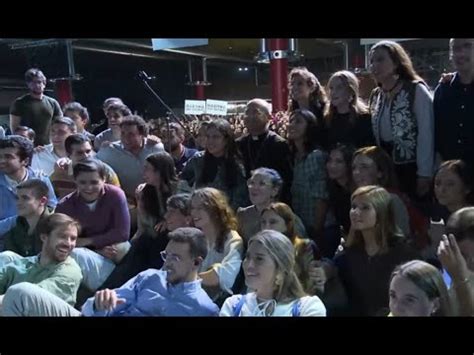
x,y
63,91
358,61
278,48
200,92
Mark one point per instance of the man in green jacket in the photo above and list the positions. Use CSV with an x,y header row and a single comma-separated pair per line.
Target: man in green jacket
x,y
52,273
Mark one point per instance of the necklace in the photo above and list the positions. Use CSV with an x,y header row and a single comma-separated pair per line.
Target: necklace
x,y
392,88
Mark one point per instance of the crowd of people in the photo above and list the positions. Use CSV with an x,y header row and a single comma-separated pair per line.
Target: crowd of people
x,y
336,207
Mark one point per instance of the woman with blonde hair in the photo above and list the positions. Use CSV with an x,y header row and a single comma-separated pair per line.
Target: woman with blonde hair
x,y
269,273
347,117
402,116
417,289
279,216
316,273
212,214
374,247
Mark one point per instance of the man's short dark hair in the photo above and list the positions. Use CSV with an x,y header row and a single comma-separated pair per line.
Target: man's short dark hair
x,y
176,126
29,131
135,120
24,145
78,108
38,187
57,220
34,73
89,165
461,224
111,100
123,109
181,202
69,122
76,138
194,237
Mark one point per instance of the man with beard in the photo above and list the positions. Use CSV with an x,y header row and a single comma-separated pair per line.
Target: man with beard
x,y
51,275
173,142
144,250
175,290
35,109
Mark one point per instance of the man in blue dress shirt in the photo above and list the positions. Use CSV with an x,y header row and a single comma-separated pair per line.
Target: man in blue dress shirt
x,y
175,290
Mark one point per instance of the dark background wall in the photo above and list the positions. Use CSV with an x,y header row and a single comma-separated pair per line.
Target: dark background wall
x,y
106,75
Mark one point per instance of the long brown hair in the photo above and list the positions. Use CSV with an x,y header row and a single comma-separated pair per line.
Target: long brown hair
x,y
384,165
163,164
386,230
465,174
312,131
232,158
317,99
216,204
285,212
400,58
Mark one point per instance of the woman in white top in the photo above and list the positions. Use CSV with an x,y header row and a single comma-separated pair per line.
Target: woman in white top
x,y
269,271
212,214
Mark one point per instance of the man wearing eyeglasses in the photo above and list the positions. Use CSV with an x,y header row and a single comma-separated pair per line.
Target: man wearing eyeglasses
x,y
175,290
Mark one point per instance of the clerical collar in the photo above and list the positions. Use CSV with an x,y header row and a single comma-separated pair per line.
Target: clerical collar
x,y
259,137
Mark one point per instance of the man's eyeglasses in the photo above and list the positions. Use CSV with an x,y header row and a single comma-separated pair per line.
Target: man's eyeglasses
x,y
170,257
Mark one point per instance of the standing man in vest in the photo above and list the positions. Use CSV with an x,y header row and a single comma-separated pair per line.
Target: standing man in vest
x,y
454,105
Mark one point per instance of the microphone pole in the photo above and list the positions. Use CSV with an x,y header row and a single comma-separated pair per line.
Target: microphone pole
x,y
145,78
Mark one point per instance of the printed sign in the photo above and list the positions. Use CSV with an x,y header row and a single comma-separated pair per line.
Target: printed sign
x,y
216,107
194,107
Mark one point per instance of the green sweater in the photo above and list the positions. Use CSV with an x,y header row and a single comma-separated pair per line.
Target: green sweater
x,y
62,279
